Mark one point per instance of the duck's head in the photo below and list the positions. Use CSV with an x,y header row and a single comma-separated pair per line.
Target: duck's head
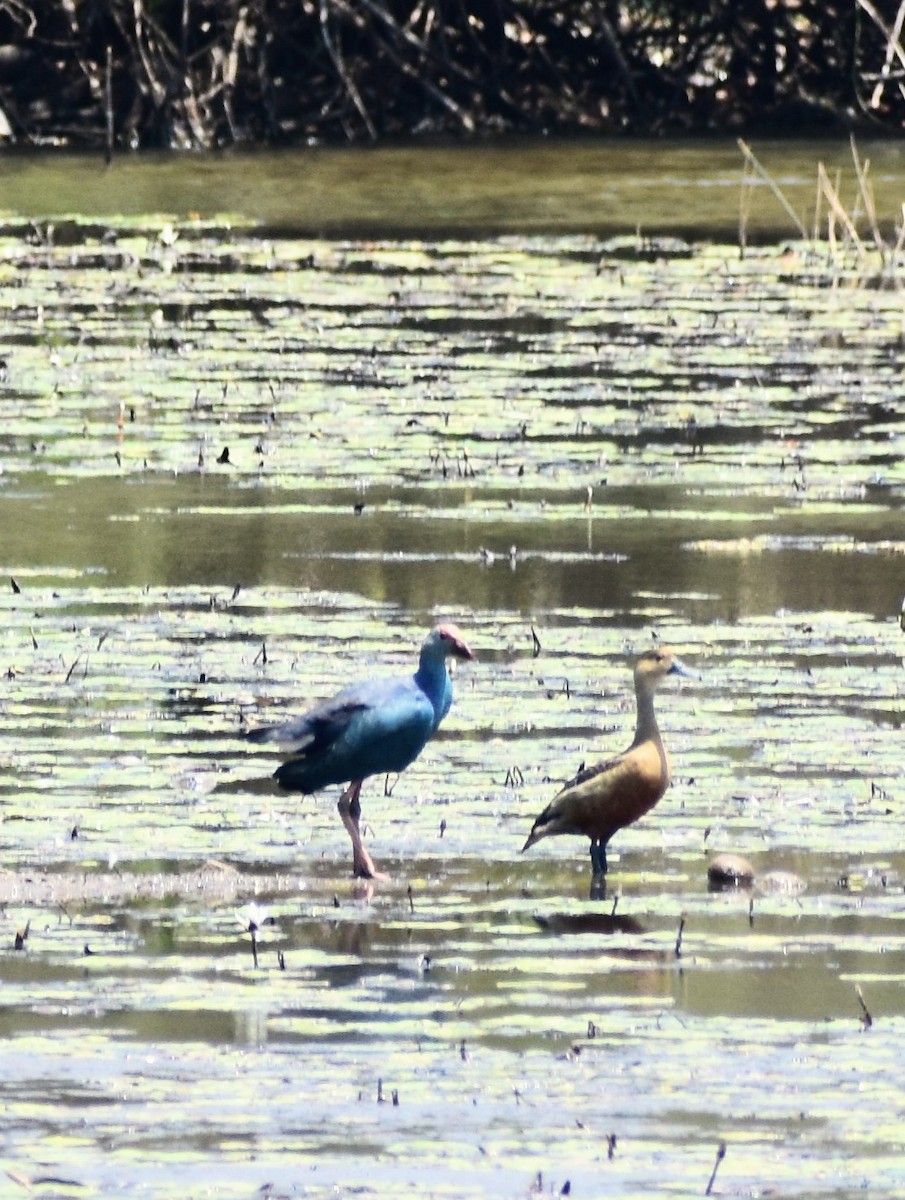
x,y
653,667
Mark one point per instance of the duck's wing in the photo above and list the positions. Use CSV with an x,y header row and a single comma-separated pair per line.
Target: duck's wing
x,y
595,771
605,797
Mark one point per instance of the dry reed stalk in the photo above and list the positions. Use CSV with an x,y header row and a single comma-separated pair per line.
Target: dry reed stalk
x,y
745,198
761,171
838,211
867,198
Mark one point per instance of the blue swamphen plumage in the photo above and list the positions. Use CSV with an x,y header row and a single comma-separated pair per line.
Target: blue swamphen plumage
x,y
606,797
375,727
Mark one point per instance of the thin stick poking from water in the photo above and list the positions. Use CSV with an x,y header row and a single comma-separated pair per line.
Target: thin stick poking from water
x,y
866,1019
720,1155
837,209
108,102
862,167
771,183
745,195
679,936
75,663
537,646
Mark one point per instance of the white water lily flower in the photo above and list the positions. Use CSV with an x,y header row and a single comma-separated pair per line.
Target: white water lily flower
x,y
253,917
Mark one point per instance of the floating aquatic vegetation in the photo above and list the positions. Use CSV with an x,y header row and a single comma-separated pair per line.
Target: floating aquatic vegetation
x,y
236,469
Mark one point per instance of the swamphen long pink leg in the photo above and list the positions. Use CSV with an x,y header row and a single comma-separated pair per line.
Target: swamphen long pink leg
x,y
349,809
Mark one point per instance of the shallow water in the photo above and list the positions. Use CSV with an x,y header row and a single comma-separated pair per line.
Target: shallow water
x,y
589,442
609,187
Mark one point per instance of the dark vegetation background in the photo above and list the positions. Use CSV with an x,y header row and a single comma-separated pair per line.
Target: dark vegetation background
x,y
193,73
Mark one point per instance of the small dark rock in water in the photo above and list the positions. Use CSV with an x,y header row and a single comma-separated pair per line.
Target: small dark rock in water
x,y
729,871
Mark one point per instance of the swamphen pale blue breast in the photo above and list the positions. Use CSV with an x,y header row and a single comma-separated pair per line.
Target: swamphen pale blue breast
x,y
375,727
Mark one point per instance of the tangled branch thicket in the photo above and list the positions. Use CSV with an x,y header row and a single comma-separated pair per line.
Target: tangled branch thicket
x,y
200,73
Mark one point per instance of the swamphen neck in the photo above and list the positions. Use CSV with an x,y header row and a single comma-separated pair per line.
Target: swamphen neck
x,y
432,677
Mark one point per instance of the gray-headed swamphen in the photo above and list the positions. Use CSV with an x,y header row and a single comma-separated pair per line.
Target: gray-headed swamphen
x,y
375,727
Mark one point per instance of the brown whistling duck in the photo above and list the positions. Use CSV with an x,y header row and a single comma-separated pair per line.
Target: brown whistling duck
x,y
606,797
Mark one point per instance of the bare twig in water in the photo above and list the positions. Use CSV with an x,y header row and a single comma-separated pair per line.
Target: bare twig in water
x,y
862,168
679,936
830,193
75,663
108,103
720,1155
760,170
866,1019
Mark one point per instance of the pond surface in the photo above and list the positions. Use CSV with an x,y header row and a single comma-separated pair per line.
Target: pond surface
x,y
605,187
242,467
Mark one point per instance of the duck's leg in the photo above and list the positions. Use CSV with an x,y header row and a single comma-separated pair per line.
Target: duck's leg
x,y
598,869
349,807
598,856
